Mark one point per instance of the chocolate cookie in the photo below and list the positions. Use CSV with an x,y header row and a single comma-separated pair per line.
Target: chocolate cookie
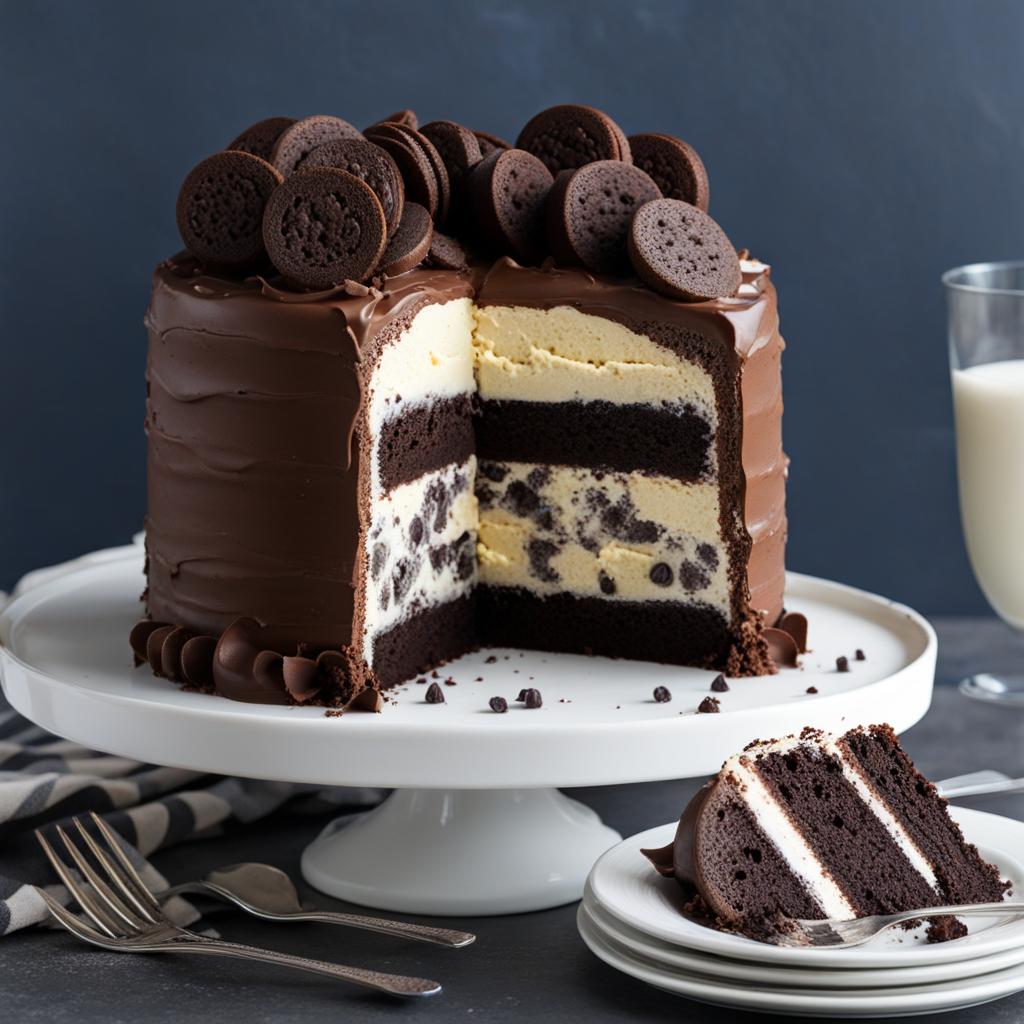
x,y
460,151
674,165
220,208
299,140
324,226
508,191
489,143
572,135
446,253
421,184
419,141
368,161
259,138
408,246
681,252
589,211
406,117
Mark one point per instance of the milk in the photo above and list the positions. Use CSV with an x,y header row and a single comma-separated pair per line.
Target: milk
x,y
989,405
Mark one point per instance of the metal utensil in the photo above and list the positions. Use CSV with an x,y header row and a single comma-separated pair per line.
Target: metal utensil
x,y
267,892
979,784
855,932
125,917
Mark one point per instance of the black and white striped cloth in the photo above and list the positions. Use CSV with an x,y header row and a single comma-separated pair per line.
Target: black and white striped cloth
x,y
45,780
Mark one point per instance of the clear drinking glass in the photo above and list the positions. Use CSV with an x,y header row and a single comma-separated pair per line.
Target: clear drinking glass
x,y
986,355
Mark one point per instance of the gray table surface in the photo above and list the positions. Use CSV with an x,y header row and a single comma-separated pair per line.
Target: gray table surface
x,y
523,967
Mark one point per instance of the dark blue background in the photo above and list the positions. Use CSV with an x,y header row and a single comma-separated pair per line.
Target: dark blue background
x,y
861,148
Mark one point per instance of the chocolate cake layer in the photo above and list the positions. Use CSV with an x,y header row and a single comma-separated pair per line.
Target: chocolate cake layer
x,y
425,639
425,437
663,631
672,440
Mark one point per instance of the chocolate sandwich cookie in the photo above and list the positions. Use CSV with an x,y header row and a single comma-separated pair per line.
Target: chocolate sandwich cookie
x,y
674,165
408,246
460,151
429,150
421,184
259,138
681,252
508,190
571,135
589,211
324,226
300,139
489,143
446,253
370,162
220,208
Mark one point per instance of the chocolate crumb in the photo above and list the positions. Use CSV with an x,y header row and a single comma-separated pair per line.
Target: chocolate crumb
x,y
498,704
450,682
435,674
719,685
859,655
333,713
944,929
662,694
522,695
478,679
842,663
812,689
490,660
435,695
422,679
532,698
709,706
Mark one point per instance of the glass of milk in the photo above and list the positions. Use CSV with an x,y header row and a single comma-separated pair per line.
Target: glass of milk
x,y
986,352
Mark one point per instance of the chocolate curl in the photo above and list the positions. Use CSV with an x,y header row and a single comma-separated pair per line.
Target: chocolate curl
x,y
234,666
197,661
139,638
795,624
170,653
782,647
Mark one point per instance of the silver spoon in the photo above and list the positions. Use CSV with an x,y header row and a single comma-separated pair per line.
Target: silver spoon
x,y
267,892
993,690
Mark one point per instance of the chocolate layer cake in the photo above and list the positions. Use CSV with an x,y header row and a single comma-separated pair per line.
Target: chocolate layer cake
x,y
374,446
818,826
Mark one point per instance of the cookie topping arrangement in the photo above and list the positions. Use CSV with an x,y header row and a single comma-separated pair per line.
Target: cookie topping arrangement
x,y
573,190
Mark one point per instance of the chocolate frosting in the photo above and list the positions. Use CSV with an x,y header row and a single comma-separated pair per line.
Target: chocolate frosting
x,y
254,399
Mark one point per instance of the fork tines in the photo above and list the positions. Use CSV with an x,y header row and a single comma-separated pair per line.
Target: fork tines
x,y
119,903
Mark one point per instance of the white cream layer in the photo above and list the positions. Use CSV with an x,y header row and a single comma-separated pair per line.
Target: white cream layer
x,y
563,355
601,527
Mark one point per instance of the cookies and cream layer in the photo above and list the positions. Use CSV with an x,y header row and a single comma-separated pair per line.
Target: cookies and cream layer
x,y
618,536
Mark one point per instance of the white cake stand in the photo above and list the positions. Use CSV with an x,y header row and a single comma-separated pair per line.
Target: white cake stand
x,y
476,825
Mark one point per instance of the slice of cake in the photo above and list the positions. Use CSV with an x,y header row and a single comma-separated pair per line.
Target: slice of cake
x,y
818,826
411,392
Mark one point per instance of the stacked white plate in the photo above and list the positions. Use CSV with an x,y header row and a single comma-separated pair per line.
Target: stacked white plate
x,y
630,918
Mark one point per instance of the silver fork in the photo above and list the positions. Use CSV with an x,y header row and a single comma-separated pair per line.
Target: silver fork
x,y
855,932
125,917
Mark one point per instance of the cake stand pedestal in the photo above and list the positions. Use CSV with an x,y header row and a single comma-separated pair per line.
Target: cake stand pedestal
x,y
476,826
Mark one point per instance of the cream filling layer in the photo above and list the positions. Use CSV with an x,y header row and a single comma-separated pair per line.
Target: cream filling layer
x,y
553,529
563,355
420,548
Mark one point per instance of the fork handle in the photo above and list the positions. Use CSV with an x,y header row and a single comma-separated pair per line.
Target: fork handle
x,y
403,929
393,984
1014,908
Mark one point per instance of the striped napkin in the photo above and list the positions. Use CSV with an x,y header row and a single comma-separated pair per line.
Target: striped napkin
x,y
45,780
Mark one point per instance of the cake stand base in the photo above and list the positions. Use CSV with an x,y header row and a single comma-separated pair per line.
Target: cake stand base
x,y
460,852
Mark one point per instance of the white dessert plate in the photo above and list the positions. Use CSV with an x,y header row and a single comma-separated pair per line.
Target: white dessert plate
x,y
623,884
896,1001
688,961
66,665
